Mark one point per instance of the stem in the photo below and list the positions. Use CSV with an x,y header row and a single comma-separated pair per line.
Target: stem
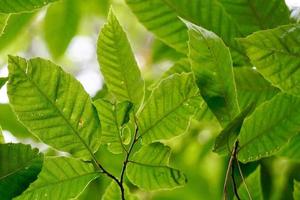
x,y
243,179
234,183
126,160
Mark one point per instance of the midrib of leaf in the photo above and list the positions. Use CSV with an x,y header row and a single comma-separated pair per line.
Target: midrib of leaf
x,y
164,116
268,130
27,163
54,106
61,181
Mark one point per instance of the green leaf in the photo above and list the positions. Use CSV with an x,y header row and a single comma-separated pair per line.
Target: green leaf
x,y
15,27
253,182
3,22
149,170
157,17
113,122
61,178
252,87
296,193
212,65
275,53
56,109
61,23
16,6
113,192
2,81
270,126
117,63
182,65
169,108
19,166
291,150
226,139
1,136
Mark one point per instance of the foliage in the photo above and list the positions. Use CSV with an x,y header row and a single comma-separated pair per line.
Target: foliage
x,y
205,107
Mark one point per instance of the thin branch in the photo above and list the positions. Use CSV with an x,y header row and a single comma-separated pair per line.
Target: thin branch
x,y
126,160
243,179
235,190
227,175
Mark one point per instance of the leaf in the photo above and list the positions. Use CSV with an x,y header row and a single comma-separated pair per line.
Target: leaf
x,y
253,182
211,63
158,18
269,127
61,178
113,121
113,192
60,26
169,108
3,22
3,81
275,53
226,139
291,150
296,193
182,65
14,28
16,6
56,109
149,170
230,19
1,136
117,63
252,87
19,166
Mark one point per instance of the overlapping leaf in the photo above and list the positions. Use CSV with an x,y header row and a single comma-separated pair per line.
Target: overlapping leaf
x,y
296,193
254,187
60,26
275,53
211,63
291,150
16,6
3,22
117,63
160,19
19,166
115,132
270,126
2,81
53,106
252,87
61,178
149,169
169,108
113,192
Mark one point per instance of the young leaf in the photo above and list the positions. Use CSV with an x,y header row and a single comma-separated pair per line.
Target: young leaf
x,y
226,139
2,82
61,178
61,22
117,63
275,53
253,182
296,193
149,170
16,6
3,22
113,119
113,192
211,63
252,87
270,126
157,17
53,106
19,166
169,108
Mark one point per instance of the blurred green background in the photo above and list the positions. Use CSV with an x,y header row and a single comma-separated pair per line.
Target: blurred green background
x,y
66,32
